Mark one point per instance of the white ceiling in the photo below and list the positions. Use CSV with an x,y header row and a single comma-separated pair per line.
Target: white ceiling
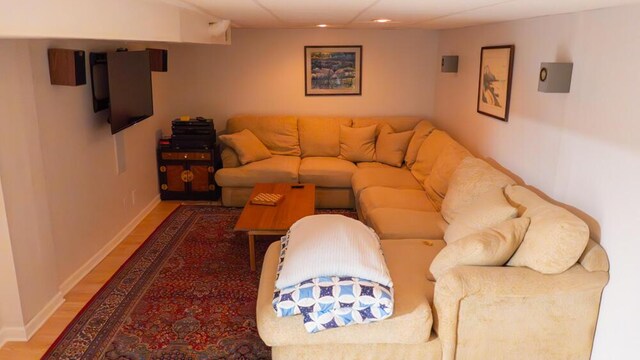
x,y
420,14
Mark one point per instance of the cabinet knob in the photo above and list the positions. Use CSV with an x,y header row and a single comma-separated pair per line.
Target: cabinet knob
x,y
163,168
186,156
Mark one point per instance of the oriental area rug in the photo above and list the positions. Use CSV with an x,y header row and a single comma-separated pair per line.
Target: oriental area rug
x,y
186,293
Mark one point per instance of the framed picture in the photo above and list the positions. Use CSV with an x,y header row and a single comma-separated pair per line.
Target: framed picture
x,y
494,87
333,70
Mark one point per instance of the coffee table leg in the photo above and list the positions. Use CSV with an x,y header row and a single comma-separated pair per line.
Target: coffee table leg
x,y
252,251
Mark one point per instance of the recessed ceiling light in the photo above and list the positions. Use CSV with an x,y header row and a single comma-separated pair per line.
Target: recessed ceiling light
x,y
381,20
322,25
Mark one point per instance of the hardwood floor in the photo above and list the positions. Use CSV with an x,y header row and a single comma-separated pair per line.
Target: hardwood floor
x,y
86,288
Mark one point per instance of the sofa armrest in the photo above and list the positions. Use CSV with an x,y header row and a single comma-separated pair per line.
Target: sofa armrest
x,y
229,157
519,309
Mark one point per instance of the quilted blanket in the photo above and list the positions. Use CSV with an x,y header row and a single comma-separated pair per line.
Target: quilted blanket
x,y
330,302
327,302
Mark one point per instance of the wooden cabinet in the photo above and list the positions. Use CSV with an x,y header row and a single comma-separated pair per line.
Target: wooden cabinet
x,y
188,174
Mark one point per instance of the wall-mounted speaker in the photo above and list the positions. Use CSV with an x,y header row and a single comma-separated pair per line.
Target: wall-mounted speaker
x,y
555,77
449,64
67,67
158,59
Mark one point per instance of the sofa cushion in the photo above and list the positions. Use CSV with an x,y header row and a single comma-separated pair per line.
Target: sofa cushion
x,y
246,145
358,144
276,169
383,197
327,172
489,209
320,136
399,178
397,123
404,223
408,261
428,153
391,147
421,131
556,238
489,247
374,164
471,179
437,183
278,133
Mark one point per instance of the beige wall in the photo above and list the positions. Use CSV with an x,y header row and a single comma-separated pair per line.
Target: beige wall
x,y
64,197
90,201
10,308
581,148
24,183
263,72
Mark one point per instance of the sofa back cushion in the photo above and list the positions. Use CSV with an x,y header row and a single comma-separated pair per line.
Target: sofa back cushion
x,y
278,133
556,238
421,131
489,209
428,153
320,136
471,179
358,144
437,183
397,123
391,147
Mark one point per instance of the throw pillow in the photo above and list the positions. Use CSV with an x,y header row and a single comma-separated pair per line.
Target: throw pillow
x,y
391,147
489,209
421,131
358,144
556,237
472,178
248,147
490,247
437,183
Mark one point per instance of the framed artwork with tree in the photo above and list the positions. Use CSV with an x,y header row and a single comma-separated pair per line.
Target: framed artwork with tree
x,y
494,87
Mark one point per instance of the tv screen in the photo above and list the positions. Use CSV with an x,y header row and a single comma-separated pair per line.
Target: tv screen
x,y
130,96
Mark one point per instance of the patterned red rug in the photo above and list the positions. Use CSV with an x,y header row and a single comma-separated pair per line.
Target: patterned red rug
x,y
187,293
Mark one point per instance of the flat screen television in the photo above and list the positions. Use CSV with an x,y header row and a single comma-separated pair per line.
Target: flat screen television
x,y
130,96
121,82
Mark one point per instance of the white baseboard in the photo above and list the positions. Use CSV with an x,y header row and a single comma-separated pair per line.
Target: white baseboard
x,y
12,334
18,333
25,333
43,315
79,274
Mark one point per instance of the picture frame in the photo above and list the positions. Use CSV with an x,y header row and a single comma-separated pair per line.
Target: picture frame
x,y
333,70
494,85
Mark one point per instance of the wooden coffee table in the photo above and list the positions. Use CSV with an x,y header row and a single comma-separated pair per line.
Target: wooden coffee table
x,y
275,220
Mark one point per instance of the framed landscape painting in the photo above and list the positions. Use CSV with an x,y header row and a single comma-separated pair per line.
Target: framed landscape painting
x,y
494,87
333,70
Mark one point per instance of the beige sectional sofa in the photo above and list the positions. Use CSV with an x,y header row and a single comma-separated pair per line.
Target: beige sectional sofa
x,y
470,312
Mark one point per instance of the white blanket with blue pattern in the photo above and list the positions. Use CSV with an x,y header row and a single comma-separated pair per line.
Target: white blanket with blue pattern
x,y
329,302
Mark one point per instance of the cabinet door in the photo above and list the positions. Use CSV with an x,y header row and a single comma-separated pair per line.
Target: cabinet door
x,y
200,182
174,178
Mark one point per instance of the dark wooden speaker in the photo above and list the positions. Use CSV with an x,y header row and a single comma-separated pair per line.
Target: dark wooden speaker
x,y
158,59
67,67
